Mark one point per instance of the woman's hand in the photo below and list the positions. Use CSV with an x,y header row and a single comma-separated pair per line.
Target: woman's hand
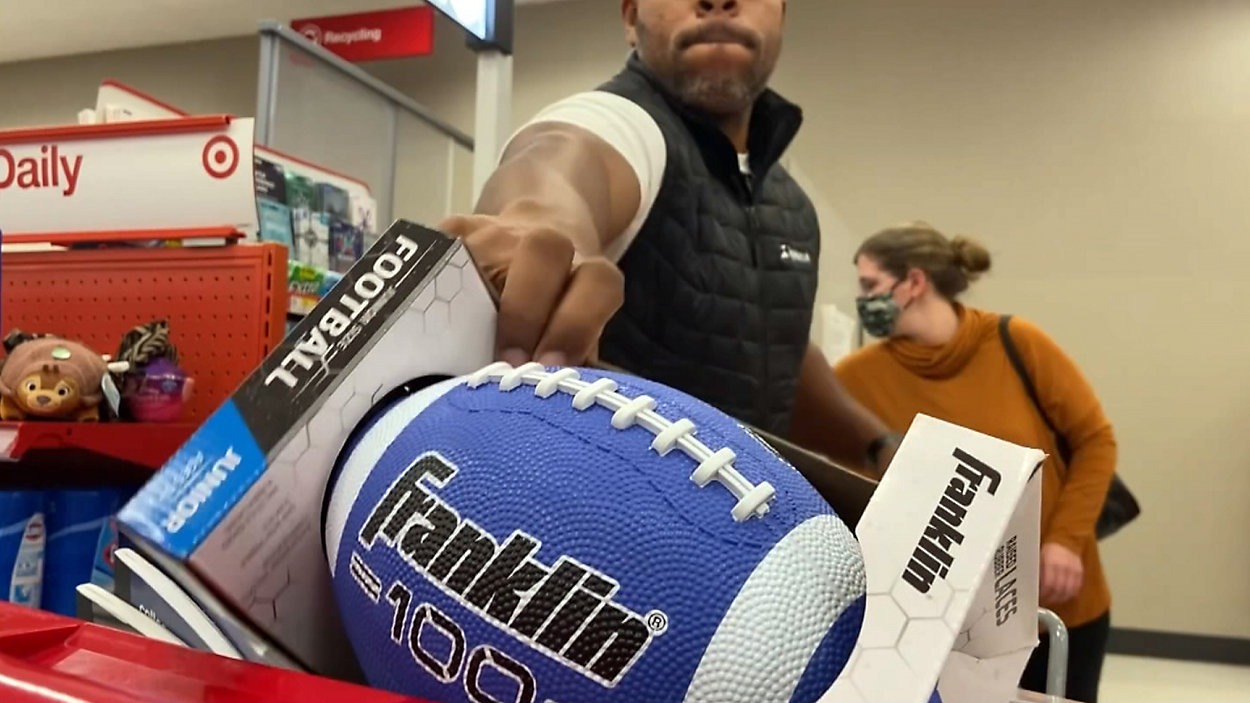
x,y
1062,574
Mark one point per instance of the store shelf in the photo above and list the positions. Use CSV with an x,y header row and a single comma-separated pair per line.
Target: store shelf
x,y
196,236
90,452
307,285
226,305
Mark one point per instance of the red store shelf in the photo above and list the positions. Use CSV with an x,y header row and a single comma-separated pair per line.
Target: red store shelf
x,y
129,451
226,305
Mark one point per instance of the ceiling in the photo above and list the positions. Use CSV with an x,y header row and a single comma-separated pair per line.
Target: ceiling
x,y
33,29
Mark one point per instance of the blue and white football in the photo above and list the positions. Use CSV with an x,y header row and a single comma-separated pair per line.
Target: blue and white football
x,y
573,536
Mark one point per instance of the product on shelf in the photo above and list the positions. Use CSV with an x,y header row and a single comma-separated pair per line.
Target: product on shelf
x,y
153,388
334,202
302,192
308,285
82,536
53,540
347,244
270,180
275,223
157,393
23,540
51,378
325,227
315,246
364,214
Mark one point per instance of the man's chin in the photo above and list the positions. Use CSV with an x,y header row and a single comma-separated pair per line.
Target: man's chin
x,y
718,101
721,95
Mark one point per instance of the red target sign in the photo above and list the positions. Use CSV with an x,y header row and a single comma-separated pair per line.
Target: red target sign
x,y
220,157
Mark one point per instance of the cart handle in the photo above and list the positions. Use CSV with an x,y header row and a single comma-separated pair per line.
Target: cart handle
x,y
1057,666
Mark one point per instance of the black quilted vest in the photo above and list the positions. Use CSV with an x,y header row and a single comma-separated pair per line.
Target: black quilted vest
x,y
721,280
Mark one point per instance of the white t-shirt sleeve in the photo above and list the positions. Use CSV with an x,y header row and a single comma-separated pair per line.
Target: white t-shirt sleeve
x,y
628,129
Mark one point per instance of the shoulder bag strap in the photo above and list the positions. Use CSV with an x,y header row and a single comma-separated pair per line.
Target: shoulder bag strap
x,y
1013,355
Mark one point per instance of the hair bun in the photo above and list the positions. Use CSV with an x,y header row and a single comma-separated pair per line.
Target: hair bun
x,y
971,256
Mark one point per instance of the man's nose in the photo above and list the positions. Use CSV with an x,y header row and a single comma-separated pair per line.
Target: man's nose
x,y
708,7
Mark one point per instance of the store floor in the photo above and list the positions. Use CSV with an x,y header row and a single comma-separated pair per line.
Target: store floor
x,y
1136,680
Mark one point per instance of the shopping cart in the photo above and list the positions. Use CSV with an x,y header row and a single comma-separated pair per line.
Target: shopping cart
x,y
1057,663
46,658
49,658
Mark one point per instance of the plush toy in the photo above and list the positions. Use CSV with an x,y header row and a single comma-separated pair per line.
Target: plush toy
x,y
146,343
51,378
16,337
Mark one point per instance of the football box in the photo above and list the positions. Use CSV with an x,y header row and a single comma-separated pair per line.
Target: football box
x,y
949,536
239,505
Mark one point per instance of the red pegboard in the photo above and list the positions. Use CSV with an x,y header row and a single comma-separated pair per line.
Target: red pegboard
x,y
226,305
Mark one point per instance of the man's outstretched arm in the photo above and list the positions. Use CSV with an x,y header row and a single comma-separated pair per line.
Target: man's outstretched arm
x,y
559,196
563,177
829,421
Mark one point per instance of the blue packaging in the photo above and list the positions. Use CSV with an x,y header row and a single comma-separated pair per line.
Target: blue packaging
x,y
82,535
275,223
22,547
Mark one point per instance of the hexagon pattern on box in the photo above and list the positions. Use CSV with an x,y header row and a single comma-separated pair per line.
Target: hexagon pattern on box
x,y
952,589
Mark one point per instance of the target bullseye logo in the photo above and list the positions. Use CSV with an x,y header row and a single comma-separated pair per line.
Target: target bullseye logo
x,y
220,157
312,33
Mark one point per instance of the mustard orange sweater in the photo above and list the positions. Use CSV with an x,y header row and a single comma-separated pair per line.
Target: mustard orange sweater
x,y
970,381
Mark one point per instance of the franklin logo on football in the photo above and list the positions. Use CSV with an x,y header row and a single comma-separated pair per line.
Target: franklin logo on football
x,y
564,610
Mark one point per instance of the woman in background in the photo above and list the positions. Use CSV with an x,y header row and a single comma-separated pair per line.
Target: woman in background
x,y
944,359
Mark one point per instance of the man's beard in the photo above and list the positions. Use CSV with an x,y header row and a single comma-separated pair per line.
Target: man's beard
x,y
719,95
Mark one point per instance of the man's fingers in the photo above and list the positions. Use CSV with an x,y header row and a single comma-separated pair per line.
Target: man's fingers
x,y
547,308
491,249
536,279
457,225
595,292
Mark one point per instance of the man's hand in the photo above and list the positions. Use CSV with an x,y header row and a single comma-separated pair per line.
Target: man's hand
x,y
1062,574
886,455
553,304
827,420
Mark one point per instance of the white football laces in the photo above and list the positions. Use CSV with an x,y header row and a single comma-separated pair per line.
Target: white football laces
x,y
753,500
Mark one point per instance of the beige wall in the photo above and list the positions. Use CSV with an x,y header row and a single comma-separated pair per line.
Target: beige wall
x,y
203,77
1101,149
